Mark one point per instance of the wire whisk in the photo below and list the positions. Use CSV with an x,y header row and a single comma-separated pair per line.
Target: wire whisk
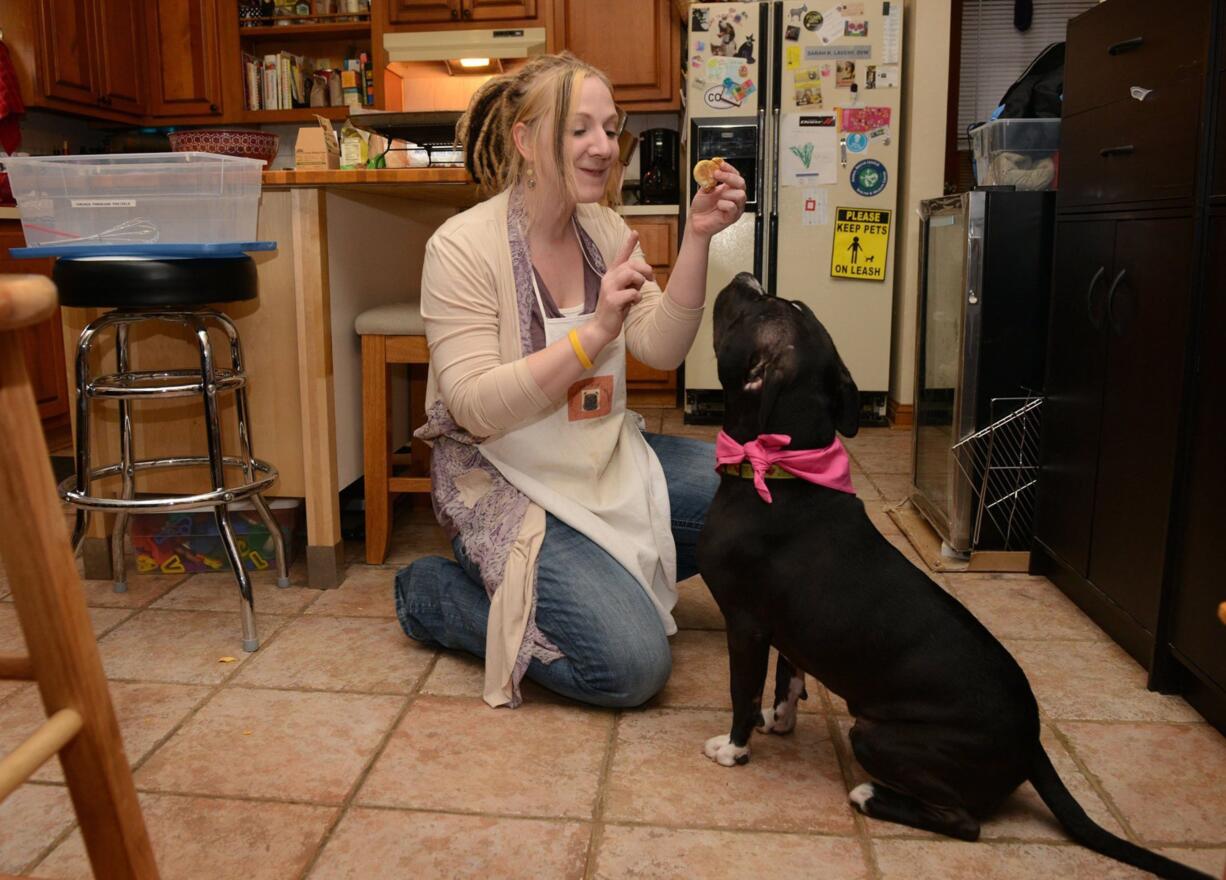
x,y
138,229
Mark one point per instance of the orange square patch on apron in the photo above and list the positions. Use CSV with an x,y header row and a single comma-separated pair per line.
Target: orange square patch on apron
x,y
589,398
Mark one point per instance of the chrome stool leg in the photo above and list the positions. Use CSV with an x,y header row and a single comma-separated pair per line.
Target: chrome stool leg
x,y
247,452
82,438
212,422
120,532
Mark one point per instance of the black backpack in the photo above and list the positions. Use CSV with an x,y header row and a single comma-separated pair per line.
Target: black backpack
x,y
1036,94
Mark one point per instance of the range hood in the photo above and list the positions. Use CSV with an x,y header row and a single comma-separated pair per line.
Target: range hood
x,y
449,45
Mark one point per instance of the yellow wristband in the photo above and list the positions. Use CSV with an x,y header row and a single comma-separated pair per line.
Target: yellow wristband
x,y
573,336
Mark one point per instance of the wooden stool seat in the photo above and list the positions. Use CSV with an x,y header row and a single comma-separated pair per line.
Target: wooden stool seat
x,y
391,334
50,602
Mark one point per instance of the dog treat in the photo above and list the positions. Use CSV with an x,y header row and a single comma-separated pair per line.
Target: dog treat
x,y
704,172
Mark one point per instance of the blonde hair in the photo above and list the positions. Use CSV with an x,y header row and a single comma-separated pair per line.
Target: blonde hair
x,y
541,94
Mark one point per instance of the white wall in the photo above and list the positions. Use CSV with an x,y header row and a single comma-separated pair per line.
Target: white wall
x,y
922,176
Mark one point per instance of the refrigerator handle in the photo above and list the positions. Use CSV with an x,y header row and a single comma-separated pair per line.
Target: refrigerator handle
x,y
774,163
759,174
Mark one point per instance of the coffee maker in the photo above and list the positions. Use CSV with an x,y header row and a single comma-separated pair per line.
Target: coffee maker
x,y
658,167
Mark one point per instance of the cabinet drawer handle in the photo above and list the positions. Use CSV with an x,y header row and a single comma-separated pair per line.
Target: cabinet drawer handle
x,y
1096,323
1125,46
1111,302
1122,150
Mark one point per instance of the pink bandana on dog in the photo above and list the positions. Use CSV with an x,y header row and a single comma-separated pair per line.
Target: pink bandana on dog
x,y
829,466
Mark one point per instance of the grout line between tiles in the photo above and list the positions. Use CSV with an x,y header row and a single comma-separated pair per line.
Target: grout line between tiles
x,y
134,767
845,767
344,808
596,836
1095,782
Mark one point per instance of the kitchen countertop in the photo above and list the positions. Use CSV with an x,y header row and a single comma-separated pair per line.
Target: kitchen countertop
x,y
10,213
648,210
446,185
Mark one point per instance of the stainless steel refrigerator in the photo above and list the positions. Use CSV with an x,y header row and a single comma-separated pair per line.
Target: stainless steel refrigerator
x,y
981,343
804,100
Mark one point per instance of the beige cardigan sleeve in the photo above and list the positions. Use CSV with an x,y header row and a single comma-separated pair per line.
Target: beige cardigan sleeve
x,y
460,297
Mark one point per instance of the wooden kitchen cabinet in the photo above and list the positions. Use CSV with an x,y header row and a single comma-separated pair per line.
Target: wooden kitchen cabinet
x,y
636,42
79,56
42,343
658,239
435,11
183,58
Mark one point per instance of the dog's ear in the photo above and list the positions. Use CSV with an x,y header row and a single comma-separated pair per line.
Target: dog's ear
x,y
847,420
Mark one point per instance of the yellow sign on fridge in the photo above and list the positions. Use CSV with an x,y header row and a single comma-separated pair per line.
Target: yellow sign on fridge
x,y
861,242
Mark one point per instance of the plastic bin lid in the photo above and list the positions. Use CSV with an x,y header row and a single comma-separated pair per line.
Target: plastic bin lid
x,y
145,251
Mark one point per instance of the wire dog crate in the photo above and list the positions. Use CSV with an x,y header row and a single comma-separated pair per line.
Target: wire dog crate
x,y
1001,462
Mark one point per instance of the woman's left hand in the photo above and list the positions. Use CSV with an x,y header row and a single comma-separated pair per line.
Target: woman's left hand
x,y
713,211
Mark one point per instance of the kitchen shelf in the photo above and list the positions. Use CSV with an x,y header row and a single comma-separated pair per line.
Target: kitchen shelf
x,y
306,31
297,114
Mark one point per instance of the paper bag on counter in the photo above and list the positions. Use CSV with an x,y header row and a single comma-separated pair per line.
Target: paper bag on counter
x,y
316,148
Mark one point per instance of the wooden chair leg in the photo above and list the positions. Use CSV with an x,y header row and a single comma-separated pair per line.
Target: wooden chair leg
x,y
377,445
417,418
63,653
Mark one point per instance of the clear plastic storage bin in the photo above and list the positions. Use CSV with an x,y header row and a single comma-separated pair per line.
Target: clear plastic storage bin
x,y
139,197
1024,153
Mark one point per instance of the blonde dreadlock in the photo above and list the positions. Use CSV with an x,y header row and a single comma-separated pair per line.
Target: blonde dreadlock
x,y
540,95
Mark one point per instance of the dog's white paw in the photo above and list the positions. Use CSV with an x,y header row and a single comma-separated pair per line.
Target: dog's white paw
x,y
861,795
721,750
781,719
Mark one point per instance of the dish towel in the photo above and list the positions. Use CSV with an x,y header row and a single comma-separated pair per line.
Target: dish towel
x,y
11,105
828,466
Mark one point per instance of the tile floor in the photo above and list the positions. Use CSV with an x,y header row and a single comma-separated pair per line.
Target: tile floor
x,y
342,750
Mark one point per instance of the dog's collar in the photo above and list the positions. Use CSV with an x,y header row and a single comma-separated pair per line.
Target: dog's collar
x,y
744,470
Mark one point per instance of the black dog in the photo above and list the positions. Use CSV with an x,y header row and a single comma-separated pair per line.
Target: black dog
x,y
946,723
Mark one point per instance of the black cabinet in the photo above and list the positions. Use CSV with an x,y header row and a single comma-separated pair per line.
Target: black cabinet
x,y
1072,408
1128,522
1197,638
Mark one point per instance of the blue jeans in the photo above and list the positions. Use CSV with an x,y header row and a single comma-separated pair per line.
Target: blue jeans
x,y
587,604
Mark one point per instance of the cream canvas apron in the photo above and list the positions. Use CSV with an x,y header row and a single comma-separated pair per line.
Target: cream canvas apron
x,y
587,463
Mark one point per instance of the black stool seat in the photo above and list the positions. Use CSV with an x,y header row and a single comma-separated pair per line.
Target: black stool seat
x,y
141,284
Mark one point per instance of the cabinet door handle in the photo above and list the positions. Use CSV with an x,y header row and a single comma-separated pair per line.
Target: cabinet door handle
x,y
468,13
1111,302
1096,323
212,108
1125,46
1122,150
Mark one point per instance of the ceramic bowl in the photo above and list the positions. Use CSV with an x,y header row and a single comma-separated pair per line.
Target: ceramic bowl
x,y
247,143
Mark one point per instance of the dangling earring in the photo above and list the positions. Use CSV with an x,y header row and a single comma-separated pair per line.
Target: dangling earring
x,y
530,177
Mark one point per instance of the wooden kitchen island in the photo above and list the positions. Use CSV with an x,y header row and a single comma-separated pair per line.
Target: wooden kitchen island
x,y
346,241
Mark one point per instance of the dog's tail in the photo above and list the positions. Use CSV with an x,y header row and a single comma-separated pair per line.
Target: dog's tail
x,y
1085,831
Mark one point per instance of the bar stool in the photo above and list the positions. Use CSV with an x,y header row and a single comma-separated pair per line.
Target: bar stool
x,y
174,291
62,654
392,334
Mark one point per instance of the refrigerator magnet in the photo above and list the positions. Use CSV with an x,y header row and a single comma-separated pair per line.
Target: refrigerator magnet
x,y
868,178
812,20
861,244
857,142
